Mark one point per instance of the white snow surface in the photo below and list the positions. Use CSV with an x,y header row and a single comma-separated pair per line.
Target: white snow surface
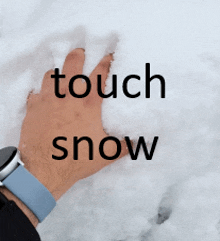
x,y
174,196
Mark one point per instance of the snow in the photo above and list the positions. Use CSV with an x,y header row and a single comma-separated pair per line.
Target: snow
x,y
181,41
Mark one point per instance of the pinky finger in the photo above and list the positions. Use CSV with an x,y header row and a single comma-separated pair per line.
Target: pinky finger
x,y
32,99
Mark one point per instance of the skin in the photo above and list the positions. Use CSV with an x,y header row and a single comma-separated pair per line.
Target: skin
x,y
48,117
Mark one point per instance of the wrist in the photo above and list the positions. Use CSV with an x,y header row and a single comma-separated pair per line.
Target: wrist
x,y
52,175
21,186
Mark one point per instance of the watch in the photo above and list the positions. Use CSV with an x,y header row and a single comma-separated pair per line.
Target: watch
x,y
15,177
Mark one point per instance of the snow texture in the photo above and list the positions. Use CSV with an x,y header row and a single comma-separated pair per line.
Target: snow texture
x,y
174,196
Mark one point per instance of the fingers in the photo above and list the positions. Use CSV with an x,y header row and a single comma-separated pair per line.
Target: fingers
x,y
73,65
47,87
47,90
124,149
101,69
74,62
32,99
110,149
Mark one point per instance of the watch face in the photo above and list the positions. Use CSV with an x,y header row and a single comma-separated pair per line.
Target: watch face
x,y
6,155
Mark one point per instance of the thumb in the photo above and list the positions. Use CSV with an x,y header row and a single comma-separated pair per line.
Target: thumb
x,y
110,149
124,149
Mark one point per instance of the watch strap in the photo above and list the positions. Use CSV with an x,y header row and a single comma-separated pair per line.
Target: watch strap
x,y
30,191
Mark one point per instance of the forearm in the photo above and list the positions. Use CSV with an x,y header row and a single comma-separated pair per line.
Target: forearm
x,y
56,190
33,219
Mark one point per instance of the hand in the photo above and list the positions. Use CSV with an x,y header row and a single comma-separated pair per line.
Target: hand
x,y
48,117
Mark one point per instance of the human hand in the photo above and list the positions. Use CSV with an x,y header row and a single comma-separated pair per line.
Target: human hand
x,y
48,117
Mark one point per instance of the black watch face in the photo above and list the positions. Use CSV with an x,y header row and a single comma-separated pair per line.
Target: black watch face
x,y
6,155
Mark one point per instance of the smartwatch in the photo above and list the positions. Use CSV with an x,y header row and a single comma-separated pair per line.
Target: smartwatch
x,y
15,177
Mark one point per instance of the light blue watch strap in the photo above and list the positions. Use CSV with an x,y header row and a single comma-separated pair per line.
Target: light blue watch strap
x,y
30,191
